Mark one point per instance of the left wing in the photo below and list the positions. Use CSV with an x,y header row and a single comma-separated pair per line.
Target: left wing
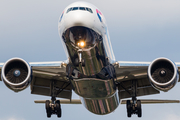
x,y
127,72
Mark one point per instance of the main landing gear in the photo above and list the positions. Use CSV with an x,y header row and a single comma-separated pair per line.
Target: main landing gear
x,y
134,106
53,108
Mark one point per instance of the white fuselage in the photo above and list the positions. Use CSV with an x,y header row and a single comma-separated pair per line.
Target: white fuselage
x,y
83,30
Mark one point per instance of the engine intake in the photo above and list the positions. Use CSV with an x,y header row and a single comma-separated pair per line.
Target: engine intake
x,y
163,74
16,74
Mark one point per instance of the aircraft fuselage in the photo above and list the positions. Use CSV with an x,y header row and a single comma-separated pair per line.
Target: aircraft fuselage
x,y
85,38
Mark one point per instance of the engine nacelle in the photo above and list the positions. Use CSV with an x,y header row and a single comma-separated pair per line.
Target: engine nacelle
x,y
163,74
16,73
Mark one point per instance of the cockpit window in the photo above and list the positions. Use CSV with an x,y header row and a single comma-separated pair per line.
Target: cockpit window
x,y
80,35
69,10
82,8
88,9
79,8
75,8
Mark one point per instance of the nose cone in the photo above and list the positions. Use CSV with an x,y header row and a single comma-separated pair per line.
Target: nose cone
x,y
76,18
17,73
79,18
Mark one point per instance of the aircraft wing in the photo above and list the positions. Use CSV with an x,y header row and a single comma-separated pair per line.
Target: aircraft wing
x,y
126,72
44,73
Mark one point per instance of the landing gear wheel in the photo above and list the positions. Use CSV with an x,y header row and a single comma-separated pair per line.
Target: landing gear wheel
x,y
58,108
139,111
129,108
48,108
59,113
47,104
48,115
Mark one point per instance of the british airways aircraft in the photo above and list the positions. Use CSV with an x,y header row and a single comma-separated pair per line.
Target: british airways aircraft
x,y
91,70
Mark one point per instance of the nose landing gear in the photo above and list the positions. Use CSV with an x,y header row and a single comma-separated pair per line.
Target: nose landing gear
x,y
79,60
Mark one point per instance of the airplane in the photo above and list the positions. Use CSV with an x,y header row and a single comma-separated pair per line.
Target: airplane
x,y
91,70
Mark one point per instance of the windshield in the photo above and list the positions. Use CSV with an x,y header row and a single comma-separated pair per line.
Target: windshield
x,y
80,36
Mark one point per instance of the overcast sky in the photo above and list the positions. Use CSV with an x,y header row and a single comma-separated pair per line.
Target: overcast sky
x,y
140,30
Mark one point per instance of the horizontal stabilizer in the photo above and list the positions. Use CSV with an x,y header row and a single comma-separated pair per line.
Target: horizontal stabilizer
x,y
151,101
62,101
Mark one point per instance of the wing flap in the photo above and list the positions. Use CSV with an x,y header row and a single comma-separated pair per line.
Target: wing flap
x,y
140,92
126,72
42,86
46,72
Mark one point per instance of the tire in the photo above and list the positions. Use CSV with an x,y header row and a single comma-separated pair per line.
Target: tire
x,y
48,108
139,111
128,114
59,113
128,106
47,104
48,115
58,108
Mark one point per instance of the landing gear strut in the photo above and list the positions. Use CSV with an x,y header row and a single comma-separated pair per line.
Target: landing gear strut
x,y
79,60
134,106
54,107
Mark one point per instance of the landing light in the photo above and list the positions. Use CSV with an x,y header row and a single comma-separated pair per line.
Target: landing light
x,y
81,44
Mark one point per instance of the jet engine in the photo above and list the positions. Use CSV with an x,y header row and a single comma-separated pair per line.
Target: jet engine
x,y
163,74
16,73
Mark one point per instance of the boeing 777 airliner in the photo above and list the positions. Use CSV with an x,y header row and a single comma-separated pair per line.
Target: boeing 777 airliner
x,y
91,70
